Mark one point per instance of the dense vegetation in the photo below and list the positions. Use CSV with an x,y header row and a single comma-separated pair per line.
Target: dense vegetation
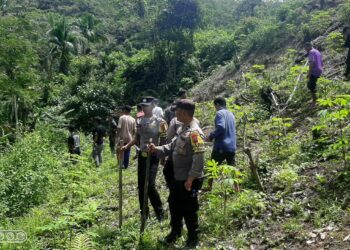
x,y
66,61
79,55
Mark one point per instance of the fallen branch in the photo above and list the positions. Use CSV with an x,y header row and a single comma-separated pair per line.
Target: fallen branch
x,y
334,73
275,101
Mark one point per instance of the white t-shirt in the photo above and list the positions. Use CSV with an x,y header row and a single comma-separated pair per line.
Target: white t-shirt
x,y
158,111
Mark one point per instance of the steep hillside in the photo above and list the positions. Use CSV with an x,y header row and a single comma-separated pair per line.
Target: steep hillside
x,y
326,25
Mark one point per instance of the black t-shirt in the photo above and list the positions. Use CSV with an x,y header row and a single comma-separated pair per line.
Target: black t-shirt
x,y
168,115
70,141
99,132
347,42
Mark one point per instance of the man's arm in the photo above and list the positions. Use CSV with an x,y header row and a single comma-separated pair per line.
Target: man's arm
x,y
219,127
162,151
130,144
310,69
311,64
197,159
134,141
118,135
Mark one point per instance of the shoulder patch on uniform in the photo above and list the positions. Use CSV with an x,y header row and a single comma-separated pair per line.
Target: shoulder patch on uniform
x,y
197,142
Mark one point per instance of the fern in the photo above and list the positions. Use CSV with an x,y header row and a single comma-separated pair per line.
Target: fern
x,y
81,242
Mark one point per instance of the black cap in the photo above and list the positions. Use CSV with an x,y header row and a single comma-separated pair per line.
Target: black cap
x,y
147,100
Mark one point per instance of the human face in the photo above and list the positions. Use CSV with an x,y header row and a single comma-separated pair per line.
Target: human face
x,y
217,106
147,109
308,48
179,115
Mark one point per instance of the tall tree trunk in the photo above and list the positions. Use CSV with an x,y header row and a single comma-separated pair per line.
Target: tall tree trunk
x,y
15,112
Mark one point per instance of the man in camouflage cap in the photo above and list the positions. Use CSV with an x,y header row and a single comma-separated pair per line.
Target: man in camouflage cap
x,y
187,151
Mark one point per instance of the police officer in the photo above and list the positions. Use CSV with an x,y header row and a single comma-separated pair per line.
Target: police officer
x,y
149,127
173,130
187,151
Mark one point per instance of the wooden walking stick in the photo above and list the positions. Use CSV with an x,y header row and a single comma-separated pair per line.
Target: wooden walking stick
x,y
295,88
121,157
145,193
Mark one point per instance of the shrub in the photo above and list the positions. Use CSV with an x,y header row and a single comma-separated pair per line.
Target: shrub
x,y
344,11
248,204
285,179
25,170
214,47
92,99
334,120
318,24
335,41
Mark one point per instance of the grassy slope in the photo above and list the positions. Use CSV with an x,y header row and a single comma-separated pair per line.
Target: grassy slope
x,y
83,199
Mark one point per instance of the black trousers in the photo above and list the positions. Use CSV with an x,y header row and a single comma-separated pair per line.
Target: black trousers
x,y
347,69
311,84
153,194
221,156
184,204
75,151
168,172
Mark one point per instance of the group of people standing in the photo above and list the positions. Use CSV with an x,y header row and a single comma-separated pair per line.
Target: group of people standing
x,y
174,139
178,142
121,130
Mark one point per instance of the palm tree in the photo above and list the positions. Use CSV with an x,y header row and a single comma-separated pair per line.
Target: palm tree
x,y
64,41
89,27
